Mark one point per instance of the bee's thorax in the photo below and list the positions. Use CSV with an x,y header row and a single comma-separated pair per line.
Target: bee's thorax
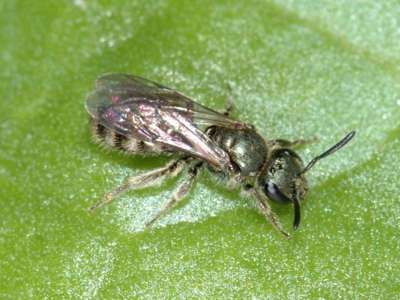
x,y
246,148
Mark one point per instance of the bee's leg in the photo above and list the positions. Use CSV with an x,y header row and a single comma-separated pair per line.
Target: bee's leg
x,y
229,106
179,195
269,214
293,144
172,169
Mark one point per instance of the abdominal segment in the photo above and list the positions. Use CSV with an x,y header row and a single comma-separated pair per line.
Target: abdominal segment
x,y
129,144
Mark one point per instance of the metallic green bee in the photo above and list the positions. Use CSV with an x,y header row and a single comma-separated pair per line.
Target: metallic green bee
x,y
139,116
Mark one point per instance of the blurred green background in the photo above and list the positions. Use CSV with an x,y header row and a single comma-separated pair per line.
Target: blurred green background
x,y
298,69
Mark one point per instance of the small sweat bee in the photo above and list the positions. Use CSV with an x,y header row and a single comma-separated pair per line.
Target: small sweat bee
x,y
139,116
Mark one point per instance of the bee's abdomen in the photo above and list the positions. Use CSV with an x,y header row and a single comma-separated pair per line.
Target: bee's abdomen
x,y
111,139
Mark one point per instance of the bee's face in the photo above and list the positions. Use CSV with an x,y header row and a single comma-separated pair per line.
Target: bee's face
x,y
281,179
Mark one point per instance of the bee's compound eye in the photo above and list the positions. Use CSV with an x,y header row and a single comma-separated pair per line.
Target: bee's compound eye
x,y
274,193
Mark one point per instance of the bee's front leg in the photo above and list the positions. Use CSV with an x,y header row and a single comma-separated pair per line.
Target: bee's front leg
x,y
269,214
292,144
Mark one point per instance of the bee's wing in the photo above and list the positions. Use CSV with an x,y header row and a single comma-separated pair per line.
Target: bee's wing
x,y
202,116
136,107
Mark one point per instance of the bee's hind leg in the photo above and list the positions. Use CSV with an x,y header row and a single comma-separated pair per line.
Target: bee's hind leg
x,y
172,169
179,194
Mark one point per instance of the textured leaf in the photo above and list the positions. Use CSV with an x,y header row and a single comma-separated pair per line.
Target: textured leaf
x,y
298,69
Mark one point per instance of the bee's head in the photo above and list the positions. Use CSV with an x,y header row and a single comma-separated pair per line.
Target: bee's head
x,y
283,177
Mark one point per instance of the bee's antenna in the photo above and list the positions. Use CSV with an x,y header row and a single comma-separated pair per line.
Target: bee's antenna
x,y
297,218
330,151
274,190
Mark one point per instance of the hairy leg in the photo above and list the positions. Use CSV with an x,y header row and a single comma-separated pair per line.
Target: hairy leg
x,y
292,144
229,102
179,195
269,214
172,169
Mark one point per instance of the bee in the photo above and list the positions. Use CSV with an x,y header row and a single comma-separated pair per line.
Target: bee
x,y
142,117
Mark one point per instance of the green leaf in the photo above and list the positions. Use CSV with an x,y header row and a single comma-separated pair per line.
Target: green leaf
x,y
298,69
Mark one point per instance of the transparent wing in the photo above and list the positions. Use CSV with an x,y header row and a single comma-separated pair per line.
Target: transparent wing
x,y
170,99
148,111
